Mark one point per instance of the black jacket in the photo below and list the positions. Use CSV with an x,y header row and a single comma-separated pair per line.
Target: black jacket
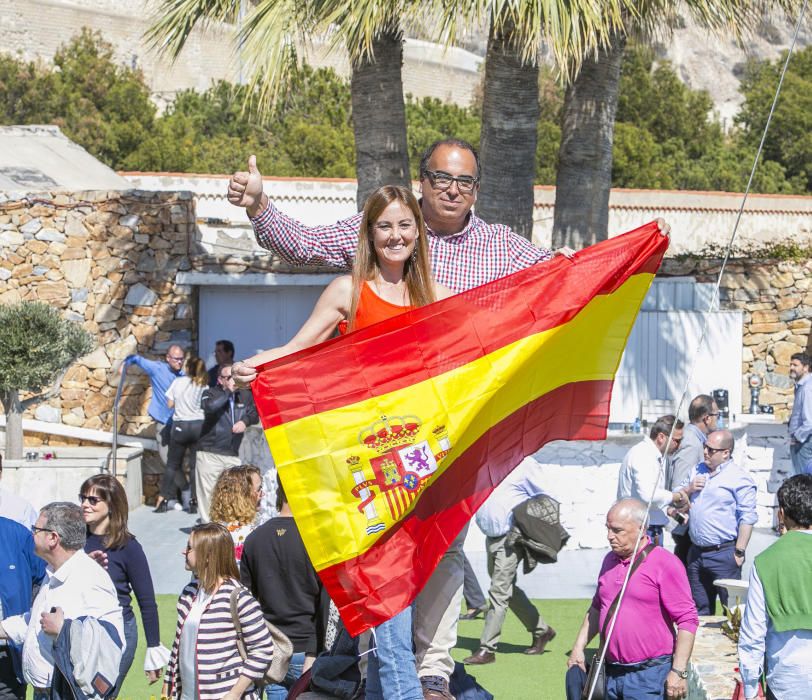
x,y
537,535
216,435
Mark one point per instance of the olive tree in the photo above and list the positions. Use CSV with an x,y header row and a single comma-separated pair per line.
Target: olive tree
x,y
37,346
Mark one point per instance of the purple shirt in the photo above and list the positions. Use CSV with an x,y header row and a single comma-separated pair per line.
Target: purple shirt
x,y
657,598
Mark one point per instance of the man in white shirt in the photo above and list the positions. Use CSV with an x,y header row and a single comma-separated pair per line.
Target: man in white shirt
x,y
15,508
495,519
642,472
776,629
74,586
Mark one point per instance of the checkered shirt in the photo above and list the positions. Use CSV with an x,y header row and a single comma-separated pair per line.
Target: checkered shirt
x,y
478,254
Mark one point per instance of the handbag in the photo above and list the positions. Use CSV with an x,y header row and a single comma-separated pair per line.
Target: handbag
x,y
597,671
282,646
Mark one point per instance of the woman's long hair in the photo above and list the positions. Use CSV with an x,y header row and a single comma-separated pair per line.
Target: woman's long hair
x,y
214,555
233,499
112,493
416,271
196,370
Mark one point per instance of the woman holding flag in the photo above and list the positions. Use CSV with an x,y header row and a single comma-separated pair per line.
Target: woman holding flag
x,y
391,275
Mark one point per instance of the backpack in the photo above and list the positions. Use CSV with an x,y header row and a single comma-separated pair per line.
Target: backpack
x,y
282,646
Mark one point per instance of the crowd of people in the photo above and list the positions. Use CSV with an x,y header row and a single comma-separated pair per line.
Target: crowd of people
x,y
76,566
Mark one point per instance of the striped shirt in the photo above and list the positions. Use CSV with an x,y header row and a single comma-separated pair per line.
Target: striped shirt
x,y
219,664
478,254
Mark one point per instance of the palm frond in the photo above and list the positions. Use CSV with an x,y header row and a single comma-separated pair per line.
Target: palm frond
x,y
174,21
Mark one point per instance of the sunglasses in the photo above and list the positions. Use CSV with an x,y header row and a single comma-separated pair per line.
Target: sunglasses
x,y
714,450
92,500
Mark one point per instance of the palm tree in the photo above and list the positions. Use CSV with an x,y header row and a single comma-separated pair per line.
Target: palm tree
x,y
270,30
585,156
510,101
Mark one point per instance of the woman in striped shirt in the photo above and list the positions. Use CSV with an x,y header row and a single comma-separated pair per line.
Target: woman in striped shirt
x,y
205,663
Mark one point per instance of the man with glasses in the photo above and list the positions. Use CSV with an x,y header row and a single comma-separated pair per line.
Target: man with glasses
x,y
75,586
703,414
465,252
227,412
642,472
723,512
161,375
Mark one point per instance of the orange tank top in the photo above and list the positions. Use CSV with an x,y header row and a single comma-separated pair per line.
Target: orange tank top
x,y
371,309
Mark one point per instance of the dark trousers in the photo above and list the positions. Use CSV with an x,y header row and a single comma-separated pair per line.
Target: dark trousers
x,y
182,439
10,687
474,597
704,568
682,545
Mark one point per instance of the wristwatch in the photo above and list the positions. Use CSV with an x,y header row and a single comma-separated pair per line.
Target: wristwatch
x,y
739,552
681,674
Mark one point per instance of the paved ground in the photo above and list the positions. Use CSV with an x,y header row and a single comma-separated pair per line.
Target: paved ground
x,y
164,536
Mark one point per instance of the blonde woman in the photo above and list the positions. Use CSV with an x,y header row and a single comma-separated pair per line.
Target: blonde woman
x,y
234,503
183,395
205,663
391,275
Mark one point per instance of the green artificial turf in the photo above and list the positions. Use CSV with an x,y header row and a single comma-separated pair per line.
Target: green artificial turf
x,y
514,676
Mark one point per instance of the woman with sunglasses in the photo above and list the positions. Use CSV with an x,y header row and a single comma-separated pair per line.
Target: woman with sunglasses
x,y
105,510
206,663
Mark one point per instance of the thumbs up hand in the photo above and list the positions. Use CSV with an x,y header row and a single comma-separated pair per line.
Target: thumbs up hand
x,y
245,189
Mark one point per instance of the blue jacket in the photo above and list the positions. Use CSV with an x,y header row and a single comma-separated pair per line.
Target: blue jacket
x,y
20,571
98,656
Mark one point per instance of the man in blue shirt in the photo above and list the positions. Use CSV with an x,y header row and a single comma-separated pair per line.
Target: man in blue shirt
x,y
800,422
703,414
22,571
723,512
161,375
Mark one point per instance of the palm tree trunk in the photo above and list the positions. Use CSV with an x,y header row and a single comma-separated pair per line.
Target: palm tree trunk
x,y
379,116
585,156
14,424
510,113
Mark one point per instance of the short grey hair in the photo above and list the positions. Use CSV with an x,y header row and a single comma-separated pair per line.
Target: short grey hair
x,y
631,508
66,520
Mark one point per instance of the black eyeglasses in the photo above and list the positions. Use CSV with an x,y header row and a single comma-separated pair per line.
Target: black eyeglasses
x,y
714,450
442,181
35,529
92,500
713,415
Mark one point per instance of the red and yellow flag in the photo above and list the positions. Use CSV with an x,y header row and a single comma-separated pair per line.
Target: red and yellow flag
x,y
388,440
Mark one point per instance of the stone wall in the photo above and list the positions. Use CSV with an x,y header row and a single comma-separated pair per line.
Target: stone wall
x,y
108,260
776,299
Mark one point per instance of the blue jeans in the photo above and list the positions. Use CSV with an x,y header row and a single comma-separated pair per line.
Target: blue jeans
x,y
280,691
703,569
802,457
392,671
131,641
635,684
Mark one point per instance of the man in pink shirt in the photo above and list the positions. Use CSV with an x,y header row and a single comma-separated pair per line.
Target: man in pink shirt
x,y
646,657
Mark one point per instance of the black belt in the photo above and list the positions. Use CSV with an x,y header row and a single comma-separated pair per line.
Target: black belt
x,y
648,663
716,547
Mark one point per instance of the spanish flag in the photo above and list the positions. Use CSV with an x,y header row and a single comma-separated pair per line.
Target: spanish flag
x,y
388,440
